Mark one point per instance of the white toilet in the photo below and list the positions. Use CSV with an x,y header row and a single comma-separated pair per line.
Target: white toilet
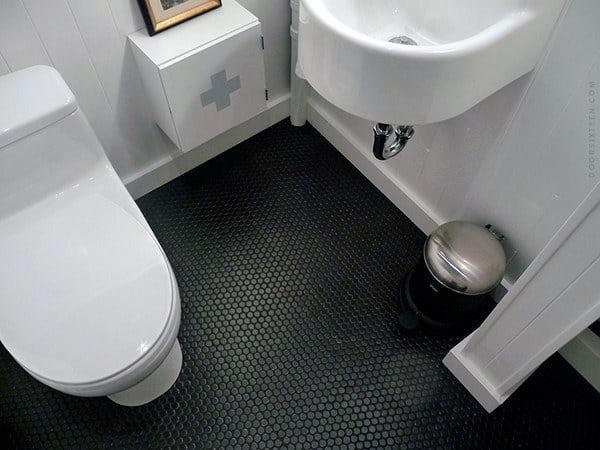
x,y
89,304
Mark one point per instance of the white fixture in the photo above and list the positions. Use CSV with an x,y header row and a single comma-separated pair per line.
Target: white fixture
x,y
554,300
89,304
204,76
354,53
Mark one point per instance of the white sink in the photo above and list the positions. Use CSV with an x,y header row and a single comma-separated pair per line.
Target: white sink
x,y
466,50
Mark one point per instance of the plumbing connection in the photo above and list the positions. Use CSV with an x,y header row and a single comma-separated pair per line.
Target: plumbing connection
x,y
384,145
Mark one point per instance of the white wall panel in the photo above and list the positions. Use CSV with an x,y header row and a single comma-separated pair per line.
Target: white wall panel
x,y
538,172
62,39
140,140
127,16
3,65
20,44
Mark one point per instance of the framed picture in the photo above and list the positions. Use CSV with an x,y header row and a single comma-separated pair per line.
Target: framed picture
x,y
162,14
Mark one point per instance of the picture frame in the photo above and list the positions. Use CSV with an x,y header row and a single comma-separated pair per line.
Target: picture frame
x,y
160,15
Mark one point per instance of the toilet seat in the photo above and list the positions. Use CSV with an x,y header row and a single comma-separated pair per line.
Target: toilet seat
x,y
87,297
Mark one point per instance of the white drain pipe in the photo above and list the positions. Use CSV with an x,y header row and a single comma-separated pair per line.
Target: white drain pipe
x,y
299,86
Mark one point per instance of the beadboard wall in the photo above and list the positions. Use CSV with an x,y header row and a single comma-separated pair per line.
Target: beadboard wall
x,y
86,40
522,159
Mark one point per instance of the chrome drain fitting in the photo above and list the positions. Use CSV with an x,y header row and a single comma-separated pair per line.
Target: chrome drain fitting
x,y
403,40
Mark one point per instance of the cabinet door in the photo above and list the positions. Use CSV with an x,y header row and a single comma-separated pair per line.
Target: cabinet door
x,y
217,87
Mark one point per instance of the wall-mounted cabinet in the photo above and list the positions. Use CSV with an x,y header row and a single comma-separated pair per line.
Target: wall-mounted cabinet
x,y
204,76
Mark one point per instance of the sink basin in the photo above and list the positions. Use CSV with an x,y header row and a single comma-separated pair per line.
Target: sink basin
x,y
465,51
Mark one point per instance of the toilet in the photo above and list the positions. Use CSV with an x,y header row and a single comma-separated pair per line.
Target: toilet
x,y
89,304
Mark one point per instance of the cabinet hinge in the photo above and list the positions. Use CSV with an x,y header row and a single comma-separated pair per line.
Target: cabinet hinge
x,y
267,94
262,42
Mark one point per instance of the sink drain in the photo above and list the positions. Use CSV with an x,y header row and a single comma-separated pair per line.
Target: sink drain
x,y
403,40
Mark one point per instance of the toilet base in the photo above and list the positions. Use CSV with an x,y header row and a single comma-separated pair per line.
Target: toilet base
x,y
156,384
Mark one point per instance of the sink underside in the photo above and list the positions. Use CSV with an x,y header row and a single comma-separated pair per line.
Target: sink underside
x,y
465,51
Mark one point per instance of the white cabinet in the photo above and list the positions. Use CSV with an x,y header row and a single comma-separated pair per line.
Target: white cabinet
x,y
204,76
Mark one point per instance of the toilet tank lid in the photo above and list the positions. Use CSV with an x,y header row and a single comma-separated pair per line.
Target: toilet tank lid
x,y
32,99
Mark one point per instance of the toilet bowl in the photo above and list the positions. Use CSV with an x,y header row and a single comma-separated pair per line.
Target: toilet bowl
x,y
89,304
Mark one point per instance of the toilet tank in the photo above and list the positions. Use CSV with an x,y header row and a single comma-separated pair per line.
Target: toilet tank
x,y
46,143
32,99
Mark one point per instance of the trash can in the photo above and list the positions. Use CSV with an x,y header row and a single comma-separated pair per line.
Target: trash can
x,y
462,262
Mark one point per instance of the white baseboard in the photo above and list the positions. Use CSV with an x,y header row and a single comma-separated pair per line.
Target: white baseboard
x,y
168,169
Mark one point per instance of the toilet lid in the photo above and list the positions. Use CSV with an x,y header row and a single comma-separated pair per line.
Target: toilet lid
x,y
85,289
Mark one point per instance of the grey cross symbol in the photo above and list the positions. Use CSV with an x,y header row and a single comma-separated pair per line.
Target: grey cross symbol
x,y
221,90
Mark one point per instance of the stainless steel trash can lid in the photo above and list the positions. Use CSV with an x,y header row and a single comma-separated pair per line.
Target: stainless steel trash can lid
x,y
465,257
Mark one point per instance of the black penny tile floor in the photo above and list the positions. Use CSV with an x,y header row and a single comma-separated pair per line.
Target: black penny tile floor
x,y
288,261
